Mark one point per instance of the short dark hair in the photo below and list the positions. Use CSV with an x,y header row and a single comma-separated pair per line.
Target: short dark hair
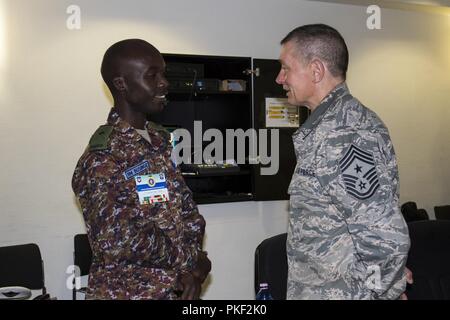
x,y
323,42
124,49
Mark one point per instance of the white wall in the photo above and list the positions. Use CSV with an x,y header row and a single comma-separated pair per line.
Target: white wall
x,y
52,99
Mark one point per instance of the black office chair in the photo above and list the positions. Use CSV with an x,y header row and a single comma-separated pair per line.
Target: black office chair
x,y
429,260
82,257
21,270
411,213
271,266
442,212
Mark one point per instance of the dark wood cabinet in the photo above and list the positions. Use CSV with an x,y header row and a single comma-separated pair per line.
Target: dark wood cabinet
x,y
225,93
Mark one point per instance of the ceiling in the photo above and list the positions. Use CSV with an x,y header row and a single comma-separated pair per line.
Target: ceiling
x,y
436,6
434,3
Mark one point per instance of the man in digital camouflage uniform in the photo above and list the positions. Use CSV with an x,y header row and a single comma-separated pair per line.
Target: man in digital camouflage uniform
x,y
143,226
346,236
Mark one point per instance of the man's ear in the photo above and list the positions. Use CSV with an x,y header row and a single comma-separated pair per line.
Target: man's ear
x,y
119,84
318,70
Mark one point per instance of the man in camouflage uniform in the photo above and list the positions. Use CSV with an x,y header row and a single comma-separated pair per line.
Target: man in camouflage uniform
x,y
144,228
346,236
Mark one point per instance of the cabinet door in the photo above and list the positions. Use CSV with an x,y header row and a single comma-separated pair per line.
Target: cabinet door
x,y
272,187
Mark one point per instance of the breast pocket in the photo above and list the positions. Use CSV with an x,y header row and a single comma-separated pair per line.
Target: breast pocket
x,y
126,192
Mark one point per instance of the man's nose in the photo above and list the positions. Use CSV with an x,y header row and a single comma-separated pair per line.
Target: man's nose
x,y
280,77
163,83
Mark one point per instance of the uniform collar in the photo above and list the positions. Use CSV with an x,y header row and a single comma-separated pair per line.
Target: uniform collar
x,y
317,115
129,134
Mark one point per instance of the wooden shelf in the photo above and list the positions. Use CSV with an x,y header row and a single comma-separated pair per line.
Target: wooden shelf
x,y
181,93
187,175
221,198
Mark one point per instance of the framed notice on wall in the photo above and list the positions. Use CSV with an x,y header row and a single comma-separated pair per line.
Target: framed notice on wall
x,y
279,113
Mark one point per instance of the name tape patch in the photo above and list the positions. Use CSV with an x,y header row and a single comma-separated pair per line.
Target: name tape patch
x,y
131,172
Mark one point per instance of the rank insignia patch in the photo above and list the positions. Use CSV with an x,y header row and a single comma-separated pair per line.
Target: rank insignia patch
x,y
359,173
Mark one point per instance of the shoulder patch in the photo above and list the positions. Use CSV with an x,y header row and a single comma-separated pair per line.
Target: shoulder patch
x,y
99,140
359,172
162,130
157,126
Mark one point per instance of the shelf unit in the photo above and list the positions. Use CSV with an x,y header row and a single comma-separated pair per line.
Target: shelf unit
x,y
215,109
192,100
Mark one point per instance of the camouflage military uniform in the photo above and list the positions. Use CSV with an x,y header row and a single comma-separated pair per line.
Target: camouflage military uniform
x,y
346,236
139,250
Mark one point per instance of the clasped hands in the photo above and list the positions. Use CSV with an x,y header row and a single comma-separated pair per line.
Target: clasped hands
x,y
190,283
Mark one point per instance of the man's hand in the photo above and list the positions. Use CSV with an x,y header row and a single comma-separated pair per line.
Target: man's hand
x,y
203,266
190,286
409,279
190,283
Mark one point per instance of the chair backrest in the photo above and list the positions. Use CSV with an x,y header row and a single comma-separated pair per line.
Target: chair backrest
x,y
411,213
429,260
271,265
22,270
422,214
21,265
82,254
442,212
82,257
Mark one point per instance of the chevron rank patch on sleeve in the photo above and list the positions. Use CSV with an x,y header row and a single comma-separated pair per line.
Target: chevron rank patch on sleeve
x,y
359,172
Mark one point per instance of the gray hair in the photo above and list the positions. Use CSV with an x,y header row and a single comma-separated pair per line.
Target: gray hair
x,y
322,42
